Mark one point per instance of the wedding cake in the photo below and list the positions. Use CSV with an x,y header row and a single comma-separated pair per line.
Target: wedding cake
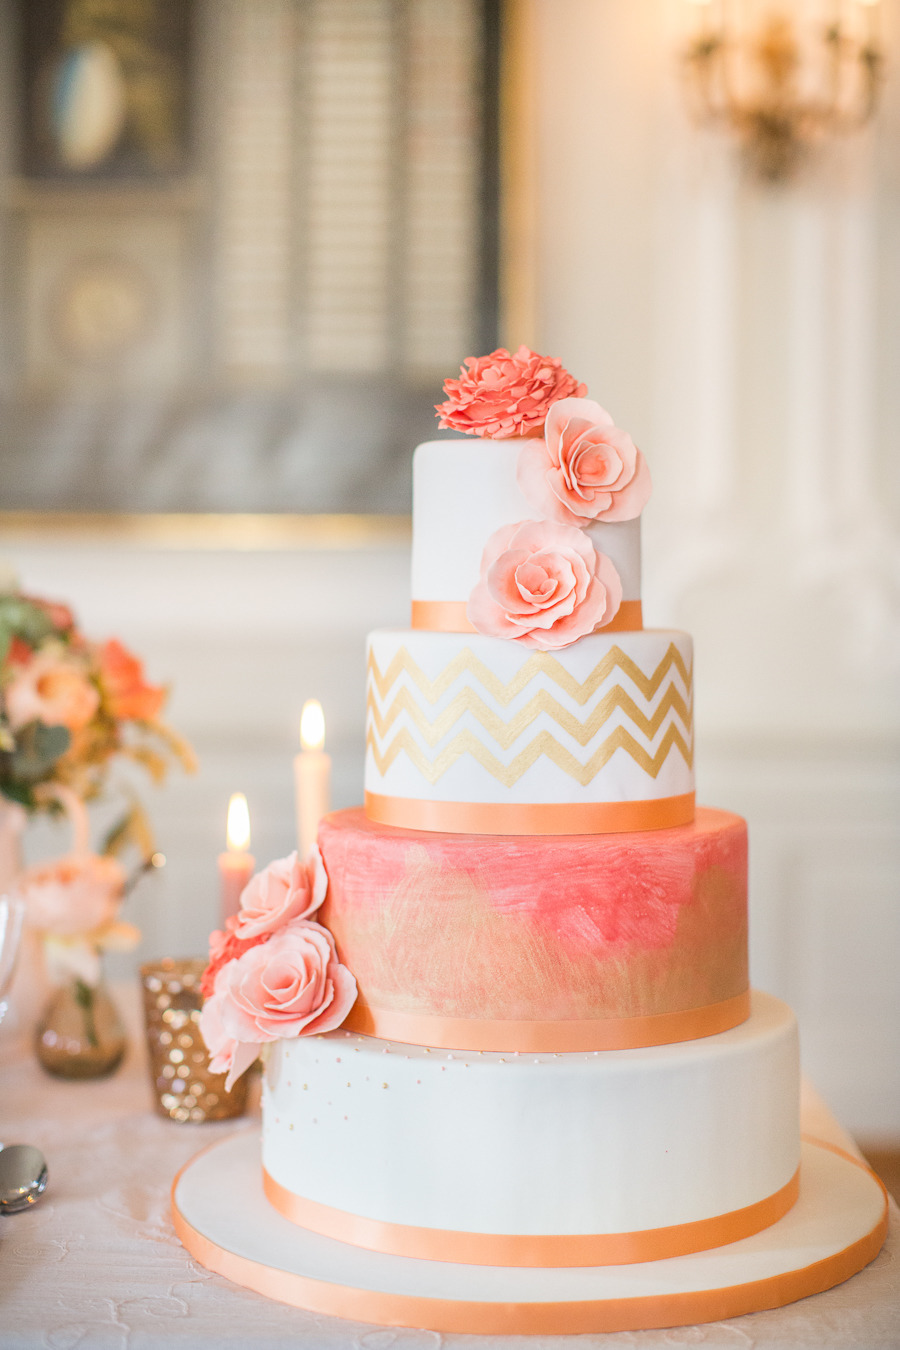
x,y
517,1041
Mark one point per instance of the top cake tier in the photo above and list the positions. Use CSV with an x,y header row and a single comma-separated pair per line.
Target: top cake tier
x,y
463,492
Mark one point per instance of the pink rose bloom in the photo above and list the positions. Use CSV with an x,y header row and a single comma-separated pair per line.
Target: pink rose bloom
x,y
51,690
285,890
74,895
585,468
543,584
499,396
291,985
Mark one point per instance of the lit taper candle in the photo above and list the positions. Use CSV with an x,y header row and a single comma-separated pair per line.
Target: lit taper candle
x,y
312,776
236,864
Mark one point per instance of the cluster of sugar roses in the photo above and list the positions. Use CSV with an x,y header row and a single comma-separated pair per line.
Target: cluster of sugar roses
x,y
273,973
543,583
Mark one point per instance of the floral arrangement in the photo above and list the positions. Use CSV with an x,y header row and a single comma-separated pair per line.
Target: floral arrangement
x,y
69,707
543,582
273,972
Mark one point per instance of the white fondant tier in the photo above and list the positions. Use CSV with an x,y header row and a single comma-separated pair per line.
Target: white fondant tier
x,y
464,490
612,1142
599,734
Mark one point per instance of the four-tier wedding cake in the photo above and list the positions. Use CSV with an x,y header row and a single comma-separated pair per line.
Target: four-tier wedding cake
x,y
516,1078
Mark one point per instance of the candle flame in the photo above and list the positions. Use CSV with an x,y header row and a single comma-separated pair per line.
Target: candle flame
x,y
238,828
312,725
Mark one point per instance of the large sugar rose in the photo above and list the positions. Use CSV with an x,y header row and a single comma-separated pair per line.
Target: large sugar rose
x,y
544,585
500,395
585,468
127,693
52,690
285,890
292,985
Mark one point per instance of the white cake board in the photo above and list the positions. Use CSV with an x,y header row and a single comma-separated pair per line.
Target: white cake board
x,y
224,1220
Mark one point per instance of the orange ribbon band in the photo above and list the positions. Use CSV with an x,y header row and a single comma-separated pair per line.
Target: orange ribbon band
x,y
584,1315
543,1249
612,1033
413,813
449,616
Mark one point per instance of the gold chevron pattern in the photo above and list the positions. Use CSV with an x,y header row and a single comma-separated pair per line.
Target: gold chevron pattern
x,y
543,744
540,663
505,734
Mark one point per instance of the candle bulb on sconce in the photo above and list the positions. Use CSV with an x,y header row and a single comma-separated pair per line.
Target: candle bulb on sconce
x,y
237,863
781,81
312,776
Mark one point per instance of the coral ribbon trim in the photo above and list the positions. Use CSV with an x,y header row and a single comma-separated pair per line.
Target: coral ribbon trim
x,y
449,616
613,1033
517,1249
413,813
484,1318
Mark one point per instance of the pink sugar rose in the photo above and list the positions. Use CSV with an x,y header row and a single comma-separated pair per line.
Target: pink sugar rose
x,y
544,585
285,890
500,395
291,985
585,468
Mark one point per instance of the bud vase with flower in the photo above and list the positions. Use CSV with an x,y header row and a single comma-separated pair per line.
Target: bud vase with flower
x,y
72,904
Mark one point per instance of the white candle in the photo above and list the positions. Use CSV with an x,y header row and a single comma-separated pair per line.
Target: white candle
x,y
312,776
237,863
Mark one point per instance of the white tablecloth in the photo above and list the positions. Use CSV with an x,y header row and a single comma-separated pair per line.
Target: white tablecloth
x,y
96,1264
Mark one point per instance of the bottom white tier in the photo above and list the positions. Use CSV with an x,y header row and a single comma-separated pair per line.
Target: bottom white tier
x,y
223,1218
552,1159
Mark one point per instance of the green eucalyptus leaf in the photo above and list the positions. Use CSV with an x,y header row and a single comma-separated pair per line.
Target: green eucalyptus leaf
x,y
37,750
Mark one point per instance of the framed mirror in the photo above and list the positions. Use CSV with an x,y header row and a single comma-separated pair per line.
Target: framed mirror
x,y
241,244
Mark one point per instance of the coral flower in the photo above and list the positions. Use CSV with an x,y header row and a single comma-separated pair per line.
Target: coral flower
x,y
126,692
499,396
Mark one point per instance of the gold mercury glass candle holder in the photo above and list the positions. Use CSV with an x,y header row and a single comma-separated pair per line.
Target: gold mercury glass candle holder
x,y
184,1088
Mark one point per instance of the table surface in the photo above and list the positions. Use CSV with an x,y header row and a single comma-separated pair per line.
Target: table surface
x,y
96,1263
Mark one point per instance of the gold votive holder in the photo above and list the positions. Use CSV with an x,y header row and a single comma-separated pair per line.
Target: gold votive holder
x,y
184,1088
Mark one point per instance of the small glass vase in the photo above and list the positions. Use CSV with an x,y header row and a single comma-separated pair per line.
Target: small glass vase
x,y
80,1034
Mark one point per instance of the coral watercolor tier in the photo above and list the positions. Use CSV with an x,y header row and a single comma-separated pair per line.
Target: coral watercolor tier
x,y
463,491
474,734
536,1160
579,942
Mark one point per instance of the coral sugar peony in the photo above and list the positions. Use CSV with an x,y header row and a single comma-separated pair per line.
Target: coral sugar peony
x,y
500,395
52,689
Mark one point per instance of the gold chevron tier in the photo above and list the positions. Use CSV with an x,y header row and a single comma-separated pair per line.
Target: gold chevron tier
x,y
475,722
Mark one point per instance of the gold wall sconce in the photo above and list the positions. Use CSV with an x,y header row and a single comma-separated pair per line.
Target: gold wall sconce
x,y
784,76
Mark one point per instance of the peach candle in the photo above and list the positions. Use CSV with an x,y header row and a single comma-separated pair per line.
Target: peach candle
x,y
237,863
312,776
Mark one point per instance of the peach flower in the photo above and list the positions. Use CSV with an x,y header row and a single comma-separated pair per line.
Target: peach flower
x,y
285,890
51,690
543,584
585,468
291,985
126,693
500,395
73,895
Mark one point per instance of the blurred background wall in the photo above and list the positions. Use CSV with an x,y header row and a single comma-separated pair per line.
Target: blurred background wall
x,y
747,334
